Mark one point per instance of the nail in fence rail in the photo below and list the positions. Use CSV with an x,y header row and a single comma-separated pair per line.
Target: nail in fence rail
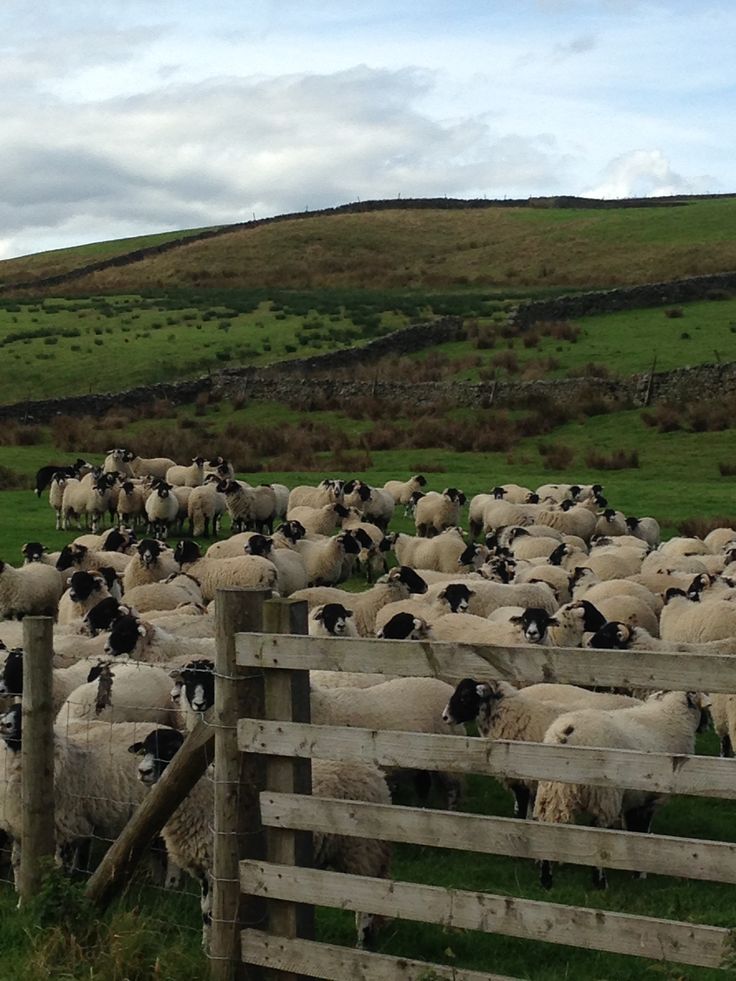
x,y
593,929
37,754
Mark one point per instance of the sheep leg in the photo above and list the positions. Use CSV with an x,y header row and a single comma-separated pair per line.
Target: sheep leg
x,y
726,745
639,819
522,800
545,874
365,928
600,880
205,904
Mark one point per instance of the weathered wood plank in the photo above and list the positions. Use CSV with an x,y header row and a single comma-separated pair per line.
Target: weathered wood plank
x,y
621,933
338,963
702,776
689,858
452,662
37,753
287,697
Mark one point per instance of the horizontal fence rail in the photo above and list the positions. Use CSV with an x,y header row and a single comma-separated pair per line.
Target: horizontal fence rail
x,y
694,858
453,662
338,963
619,933
704,776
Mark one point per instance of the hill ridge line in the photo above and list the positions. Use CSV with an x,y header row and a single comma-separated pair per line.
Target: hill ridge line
x,y
400,204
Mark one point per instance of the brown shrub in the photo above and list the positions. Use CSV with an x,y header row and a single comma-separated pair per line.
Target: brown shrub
x,y
618,460
674,312
12,480
727,469
699,526
556,456
506,360
666,417
422,466
591,369
560,330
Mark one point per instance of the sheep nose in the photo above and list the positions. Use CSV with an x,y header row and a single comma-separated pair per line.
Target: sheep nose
x,y
108,649
199,706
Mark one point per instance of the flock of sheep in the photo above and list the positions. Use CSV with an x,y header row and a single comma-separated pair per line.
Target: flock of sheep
x,y
134,636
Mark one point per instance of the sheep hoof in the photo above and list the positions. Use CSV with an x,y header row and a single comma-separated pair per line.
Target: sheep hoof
x,y
599,879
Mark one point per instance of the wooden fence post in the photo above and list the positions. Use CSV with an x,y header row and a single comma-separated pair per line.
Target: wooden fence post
x,y
38,840
287,699
239,778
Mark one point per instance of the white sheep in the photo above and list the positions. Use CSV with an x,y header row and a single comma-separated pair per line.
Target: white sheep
x,y
403,704
290,566
400,583
122,692
153,562
188,832
401,491
324,559
174,591
86,589
32,590
557,578
315,497
694,621
81,558
436,512
162,509
441,553
191,476
144,641
205,506
483,597
156,466
665,723
504,712
246,571
318,521
56,496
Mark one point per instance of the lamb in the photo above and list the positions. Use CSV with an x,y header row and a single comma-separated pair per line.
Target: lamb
x,y
191,476
665,723
32,590
154,562
86,589
319,521
436,512
247,571
404,704
324,559
205,507
131,507
143,641
400,582
695,621
162,509
401,491
188,832
504,712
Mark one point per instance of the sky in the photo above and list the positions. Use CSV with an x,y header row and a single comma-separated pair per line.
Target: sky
x,y
123,117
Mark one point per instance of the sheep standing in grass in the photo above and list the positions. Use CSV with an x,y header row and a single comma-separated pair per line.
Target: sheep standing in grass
x,y
401,491
191,476
436,512
292,572
324,559
665,723
162,509
188,832
205,507
504,712
56,496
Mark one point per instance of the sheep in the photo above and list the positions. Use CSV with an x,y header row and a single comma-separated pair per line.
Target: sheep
x,y
95,792
612,523
174,591
576,520
574,620
64,680
436,512
81,558
323,560
483,597
188,832
514,494
74,500
32,590
145,641
614,563
471,629
99,499
156,466
400,583
191,476
665,723
621,636
723,715
719,539
120,693
332,620
556,578
401,491
441,553
319,521
153,562
240,503
647,529
227,548
695,621
131,507
292,572
525,546
281,493
86,589
162,509
247,571
505,712
205,508
600,590
56,496
630,610
315,497
404,704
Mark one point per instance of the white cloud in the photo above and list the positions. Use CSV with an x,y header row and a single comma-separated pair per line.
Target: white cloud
x,y
645,173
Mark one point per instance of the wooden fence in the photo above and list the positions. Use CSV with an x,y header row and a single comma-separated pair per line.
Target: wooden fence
x,y
264,889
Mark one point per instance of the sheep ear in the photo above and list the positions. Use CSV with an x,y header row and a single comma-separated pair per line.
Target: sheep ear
x,y
516,619
319,614
553,622
471,592
379,633
348,614
483,691
442,594
136,748
141,630
176,674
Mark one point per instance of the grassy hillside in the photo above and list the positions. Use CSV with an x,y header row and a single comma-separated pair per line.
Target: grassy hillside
x,y
494,247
